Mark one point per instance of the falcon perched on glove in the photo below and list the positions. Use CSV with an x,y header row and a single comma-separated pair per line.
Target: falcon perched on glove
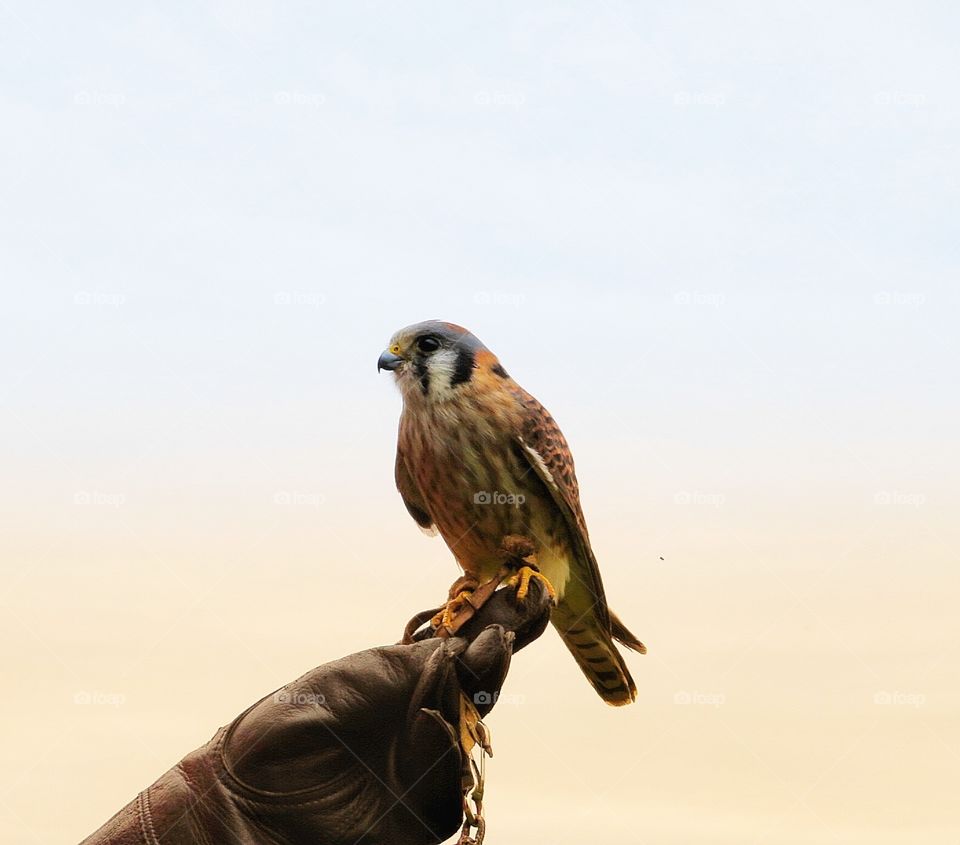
x,y
482,462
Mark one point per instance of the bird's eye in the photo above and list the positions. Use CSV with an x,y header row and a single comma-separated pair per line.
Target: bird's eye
x,y
428,344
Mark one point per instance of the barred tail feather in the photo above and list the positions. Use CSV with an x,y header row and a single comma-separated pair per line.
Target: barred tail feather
x,y
597,656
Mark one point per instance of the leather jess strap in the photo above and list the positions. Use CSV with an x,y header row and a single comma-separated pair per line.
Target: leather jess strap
x,y
472,603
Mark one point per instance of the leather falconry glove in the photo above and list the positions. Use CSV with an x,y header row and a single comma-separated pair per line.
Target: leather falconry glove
x,y
360,751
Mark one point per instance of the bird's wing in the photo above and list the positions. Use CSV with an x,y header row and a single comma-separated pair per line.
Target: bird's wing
x,y
546,451
410,494
582,617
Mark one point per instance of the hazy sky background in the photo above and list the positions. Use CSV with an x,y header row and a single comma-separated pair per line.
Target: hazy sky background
x,y
718,242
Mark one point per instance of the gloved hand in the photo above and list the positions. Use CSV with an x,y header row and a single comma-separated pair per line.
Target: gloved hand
x,y
359,751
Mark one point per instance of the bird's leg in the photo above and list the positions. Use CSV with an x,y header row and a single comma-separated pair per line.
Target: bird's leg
x,y
522,554
463,584
523,576
458,598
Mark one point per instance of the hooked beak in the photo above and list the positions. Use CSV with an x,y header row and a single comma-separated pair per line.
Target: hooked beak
x,y
388,361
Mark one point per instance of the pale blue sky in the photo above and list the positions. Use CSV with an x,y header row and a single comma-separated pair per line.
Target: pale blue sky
x,y
586,162
742,212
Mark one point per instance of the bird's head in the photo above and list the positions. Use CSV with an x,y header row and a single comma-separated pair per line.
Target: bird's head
x,y
433,359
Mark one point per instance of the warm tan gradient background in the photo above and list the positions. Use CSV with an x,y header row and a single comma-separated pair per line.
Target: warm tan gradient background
x,y
719,245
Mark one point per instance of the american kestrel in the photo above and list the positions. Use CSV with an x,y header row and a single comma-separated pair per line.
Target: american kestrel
x,y
483,462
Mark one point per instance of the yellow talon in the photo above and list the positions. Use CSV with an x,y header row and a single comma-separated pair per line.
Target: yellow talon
x,y
521,580
444,619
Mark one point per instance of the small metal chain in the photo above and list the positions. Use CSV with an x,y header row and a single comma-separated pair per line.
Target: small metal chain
x,y
473,815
